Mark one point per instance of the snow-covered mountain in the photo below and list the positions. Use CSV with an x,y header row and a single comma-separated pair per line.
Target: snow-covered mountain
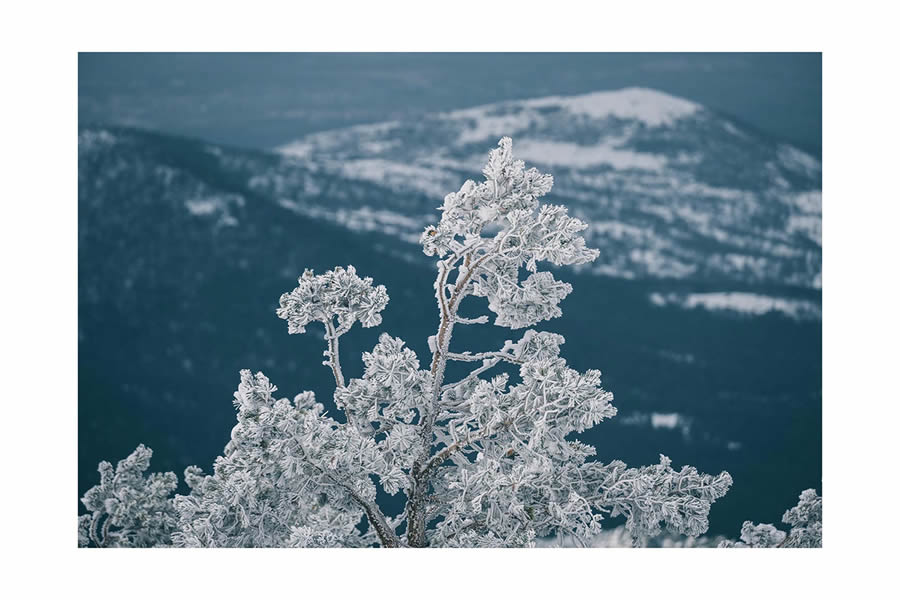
x,y
670,188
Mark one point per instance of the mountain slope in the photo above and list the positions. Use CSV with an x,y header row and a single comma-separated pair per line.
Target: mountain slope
x,y
670,189
185,247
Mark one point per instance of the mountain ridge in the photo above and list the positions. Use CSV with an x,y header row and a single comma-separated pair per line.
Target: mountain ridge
x,y
669,188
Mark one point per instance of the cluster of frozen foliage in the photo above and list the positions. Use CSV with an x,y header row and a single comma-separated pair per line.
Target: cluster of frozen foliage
x,y
485,460
127,509
805,521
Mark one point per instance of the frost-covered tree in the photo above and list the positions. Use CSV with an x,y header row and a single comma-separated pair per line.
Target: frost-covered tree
x,y
487,459
805,521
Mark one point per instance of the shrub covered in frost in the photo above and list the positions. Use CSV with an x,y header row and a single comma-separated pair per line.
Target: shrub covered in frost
x,y
479,461
805,521
128,509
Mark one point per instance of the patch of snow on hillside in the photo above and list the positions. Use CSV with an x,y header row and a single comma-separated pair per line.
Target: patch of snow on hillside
x,y
89,140
202,206
798,161
651,107
563,154
660,265
740,302
808,202
211,206
733,130
285,184
323,144
806,225
298,149
655,420
430,181
484,123
363,219
617,231
695,188
667,420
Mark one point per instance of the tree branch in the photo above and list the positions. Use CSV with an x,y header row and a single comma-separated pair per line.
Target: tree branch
x,y
473,375
334,360
469,357
477,320
388,537
386,534
447,452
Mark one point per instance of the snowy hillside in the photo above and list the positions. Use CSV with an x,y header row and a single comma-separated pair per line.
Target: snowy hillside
x,y
185,247
671,189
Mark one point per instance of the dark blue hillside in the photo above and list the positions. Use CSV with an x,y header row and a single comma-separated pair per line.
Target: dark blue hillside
x,y
182,261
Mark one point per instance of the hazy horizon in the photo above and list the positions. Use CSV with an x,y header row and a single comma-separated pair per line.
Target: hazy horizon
x,y
259,100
